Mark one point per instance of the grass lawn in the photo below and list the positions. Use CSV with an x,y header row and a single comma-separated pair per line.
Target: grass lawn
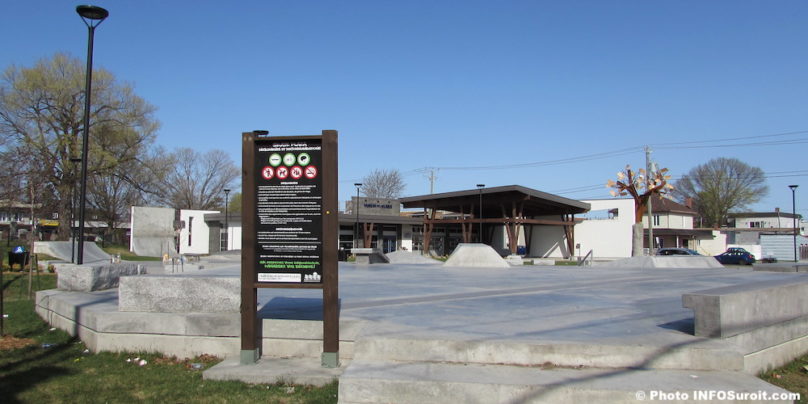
x,y
126,255
792,377
41,365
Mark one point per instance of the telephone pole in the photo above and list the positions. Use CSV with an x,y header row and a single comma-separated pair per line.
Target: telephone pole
x,y
431,177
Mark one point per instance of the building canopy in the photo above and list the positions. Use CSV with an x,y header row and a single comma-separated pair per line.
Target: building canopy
x,y
534,203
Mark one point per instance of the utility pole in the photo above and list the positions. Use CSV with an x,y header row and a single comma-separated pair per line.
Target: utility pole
x,y
649,183
431,176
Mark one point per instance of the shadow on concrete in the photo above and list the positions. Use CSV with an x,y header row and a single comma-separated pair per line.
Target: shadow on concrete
x,y
293,308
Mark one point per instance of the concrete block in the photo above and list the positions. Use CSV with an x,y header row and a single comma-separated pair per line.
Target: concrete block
x,y
87,278
732,310
175,294
475,255
365,256
781,267
514,260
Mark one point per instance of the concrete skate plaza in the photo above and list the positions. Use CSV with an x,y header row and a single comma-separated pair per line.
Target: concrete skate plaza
x,y
428,315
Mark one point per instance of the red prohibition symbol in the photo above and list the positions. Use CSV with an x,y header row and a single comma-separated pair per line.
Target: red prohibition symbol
x,y
282,173
267,173
310,172
296,172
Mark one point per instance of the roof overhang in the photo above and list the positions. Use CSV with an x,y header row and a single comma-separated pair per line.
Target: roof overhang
x,y
494,199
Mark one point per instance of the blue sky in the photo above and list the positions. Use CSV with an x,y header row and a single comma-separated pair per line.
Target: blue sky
x,y
470,87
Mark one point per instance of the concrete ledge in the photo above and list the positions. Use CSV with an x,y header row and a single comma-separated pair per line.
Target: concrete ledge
x,y
382,382
699,355
93,317
365,256
732,310
781,267
174,294
270,371
87,278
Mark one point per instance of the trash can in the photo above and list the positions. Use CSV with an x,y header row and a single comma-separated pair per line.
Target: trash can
x,y
18,255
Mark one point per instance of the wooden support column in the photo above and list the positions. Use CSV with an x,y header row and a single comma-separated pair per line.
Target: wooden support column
x,y
428,227
569,232
368,234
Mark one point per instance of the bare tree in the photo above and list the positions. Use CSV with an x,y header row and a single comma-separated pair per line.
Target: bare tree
x,y
197,181
721,185
386,184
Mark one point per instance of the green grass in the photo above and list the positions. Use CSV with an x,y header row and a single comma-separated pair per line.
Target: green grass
x,y
792,377
566,263
58,368
126,255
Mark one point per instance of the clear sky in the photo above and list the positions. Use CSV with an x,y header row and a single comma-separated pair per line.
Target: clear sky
x,y
478,90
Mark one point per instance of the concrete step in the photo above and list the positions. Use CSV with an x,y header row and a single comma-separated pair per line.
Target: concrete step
x,y
700,354
395,382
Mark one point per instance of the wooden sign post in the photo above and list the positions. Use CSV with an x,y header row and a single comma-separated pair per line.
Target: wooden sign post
x,y
289,228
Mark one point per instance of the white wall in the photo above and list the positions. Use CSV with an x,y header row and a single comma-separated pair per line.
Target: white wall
x,y
715,246
606,237
234,234
195,234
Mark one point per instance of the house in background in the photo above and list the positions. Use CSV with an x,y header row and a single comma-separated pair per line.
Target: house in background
x,y
674,226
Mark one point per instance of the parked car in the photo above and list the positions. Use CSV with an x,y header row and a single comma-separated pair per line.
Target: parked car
x,y
736,256
676,251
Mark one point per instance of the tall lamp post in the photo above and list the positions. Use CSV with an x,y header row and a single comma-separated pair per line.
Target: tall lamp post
x,y
356,208
74,160
226,222
794,212
481,186
92,17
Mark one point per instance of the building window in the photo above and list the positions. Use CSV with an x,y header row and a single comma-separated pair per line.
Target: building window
x,y
656,220
190,229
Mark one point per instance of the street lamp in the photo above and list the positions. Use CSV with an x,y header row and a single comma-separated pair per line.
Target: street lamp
x,y
226,222
481,186
356,208
92,17
794,212
74,160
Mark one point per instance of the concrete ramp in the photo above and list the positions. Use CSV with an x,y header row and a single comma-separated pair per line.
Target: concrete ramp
x,y
63,249
154,246
409,257
475,255
670,261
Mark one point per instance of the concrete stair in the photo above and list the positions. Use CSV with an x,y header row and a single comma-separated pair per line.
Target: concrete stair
x,y
402,382
413,370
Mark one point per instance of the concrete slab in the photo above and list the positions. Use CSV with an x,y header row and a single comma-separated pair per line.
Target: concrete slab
x,y
475,255
99,276
63,250
409,257
375,382
305,371
419,315
732,310
180,294
667,261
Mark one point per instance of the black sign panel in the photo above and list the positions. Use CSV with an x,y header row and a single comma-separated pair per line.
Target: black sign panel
x,y
289,211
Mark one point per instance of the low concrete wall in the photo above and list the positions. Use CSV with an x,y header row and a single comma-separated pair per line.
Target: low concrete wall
x,y
365,256
174,294
87,278
732,310
781,267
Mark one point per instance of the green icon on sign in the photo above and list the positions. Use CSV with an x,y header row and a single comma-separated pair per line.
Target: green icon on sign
x,y
289,159
275,160
303,159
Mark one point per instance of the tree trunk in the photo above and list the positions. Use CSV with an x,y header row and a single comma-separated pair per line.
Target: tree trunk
x,y
636,240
